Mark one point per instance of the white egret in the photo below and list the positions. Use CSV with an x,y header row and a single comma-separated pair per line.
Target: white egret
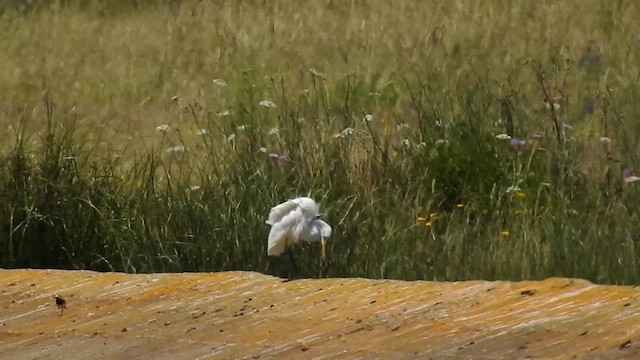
x,y
295,220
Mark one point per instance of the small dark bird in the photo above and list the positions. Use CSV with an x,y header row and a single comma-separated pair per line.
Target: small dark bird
x,y
60,303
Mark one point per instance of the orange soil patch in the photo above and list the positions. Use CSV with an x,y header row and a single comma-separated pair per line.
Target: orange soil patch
x,y
236,315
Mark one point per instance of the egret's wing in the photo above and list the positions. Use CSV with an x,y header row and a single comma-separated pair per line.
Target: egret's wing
x,y
285,231
308,206
280,211
316,230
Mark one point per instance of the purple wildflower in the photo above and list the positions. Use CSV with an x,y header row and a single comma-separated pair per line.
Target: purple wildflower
x,y
517,142
536,135
282,158
628,177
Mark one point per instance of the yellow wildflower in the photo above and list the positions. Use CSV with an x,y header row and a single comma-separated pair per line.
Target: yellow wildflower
x,y
517,212
519,195
504,233
428,224
433,216
420,219
459,206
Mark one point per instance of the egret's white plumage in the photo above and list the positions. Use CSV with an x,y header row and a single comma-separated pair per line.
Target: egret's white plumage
x,y
295,220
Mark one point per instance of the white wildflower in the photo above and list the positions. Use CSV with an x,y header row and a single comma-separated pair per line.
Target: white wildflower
x,y
605,140
367,118
631,179
512,189
374,94
441,142
176,149
163,128
267,103
174,98
231,137
224,113
503,136
556,106
345,133
274,131
402,126
438,123
406,143
242,127
422,145
316,73
301,120
263,149
194,188
202,132
220,82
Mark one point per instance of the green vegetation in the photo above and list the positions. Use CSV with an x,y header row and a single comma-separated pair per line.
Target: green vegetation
x,y
143,136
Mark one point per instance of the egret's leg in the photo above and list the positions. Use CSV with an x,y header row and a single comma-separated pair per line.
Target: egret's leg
x,y
295,268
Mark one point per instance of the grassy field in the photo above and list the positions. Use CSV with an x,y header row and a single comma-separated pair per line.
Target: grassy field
x,y
445,140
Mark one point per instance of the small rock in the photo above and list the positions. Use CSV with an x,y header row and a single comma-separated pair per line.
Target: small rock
x,y
625,345
527,292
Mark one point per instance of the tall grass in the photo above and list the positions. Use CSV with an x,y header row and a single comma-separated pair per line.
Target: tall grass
x,y
155,136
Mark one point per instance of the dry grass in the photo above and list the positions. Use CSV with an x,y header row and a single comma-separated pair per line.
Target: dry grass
x,y
459,71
